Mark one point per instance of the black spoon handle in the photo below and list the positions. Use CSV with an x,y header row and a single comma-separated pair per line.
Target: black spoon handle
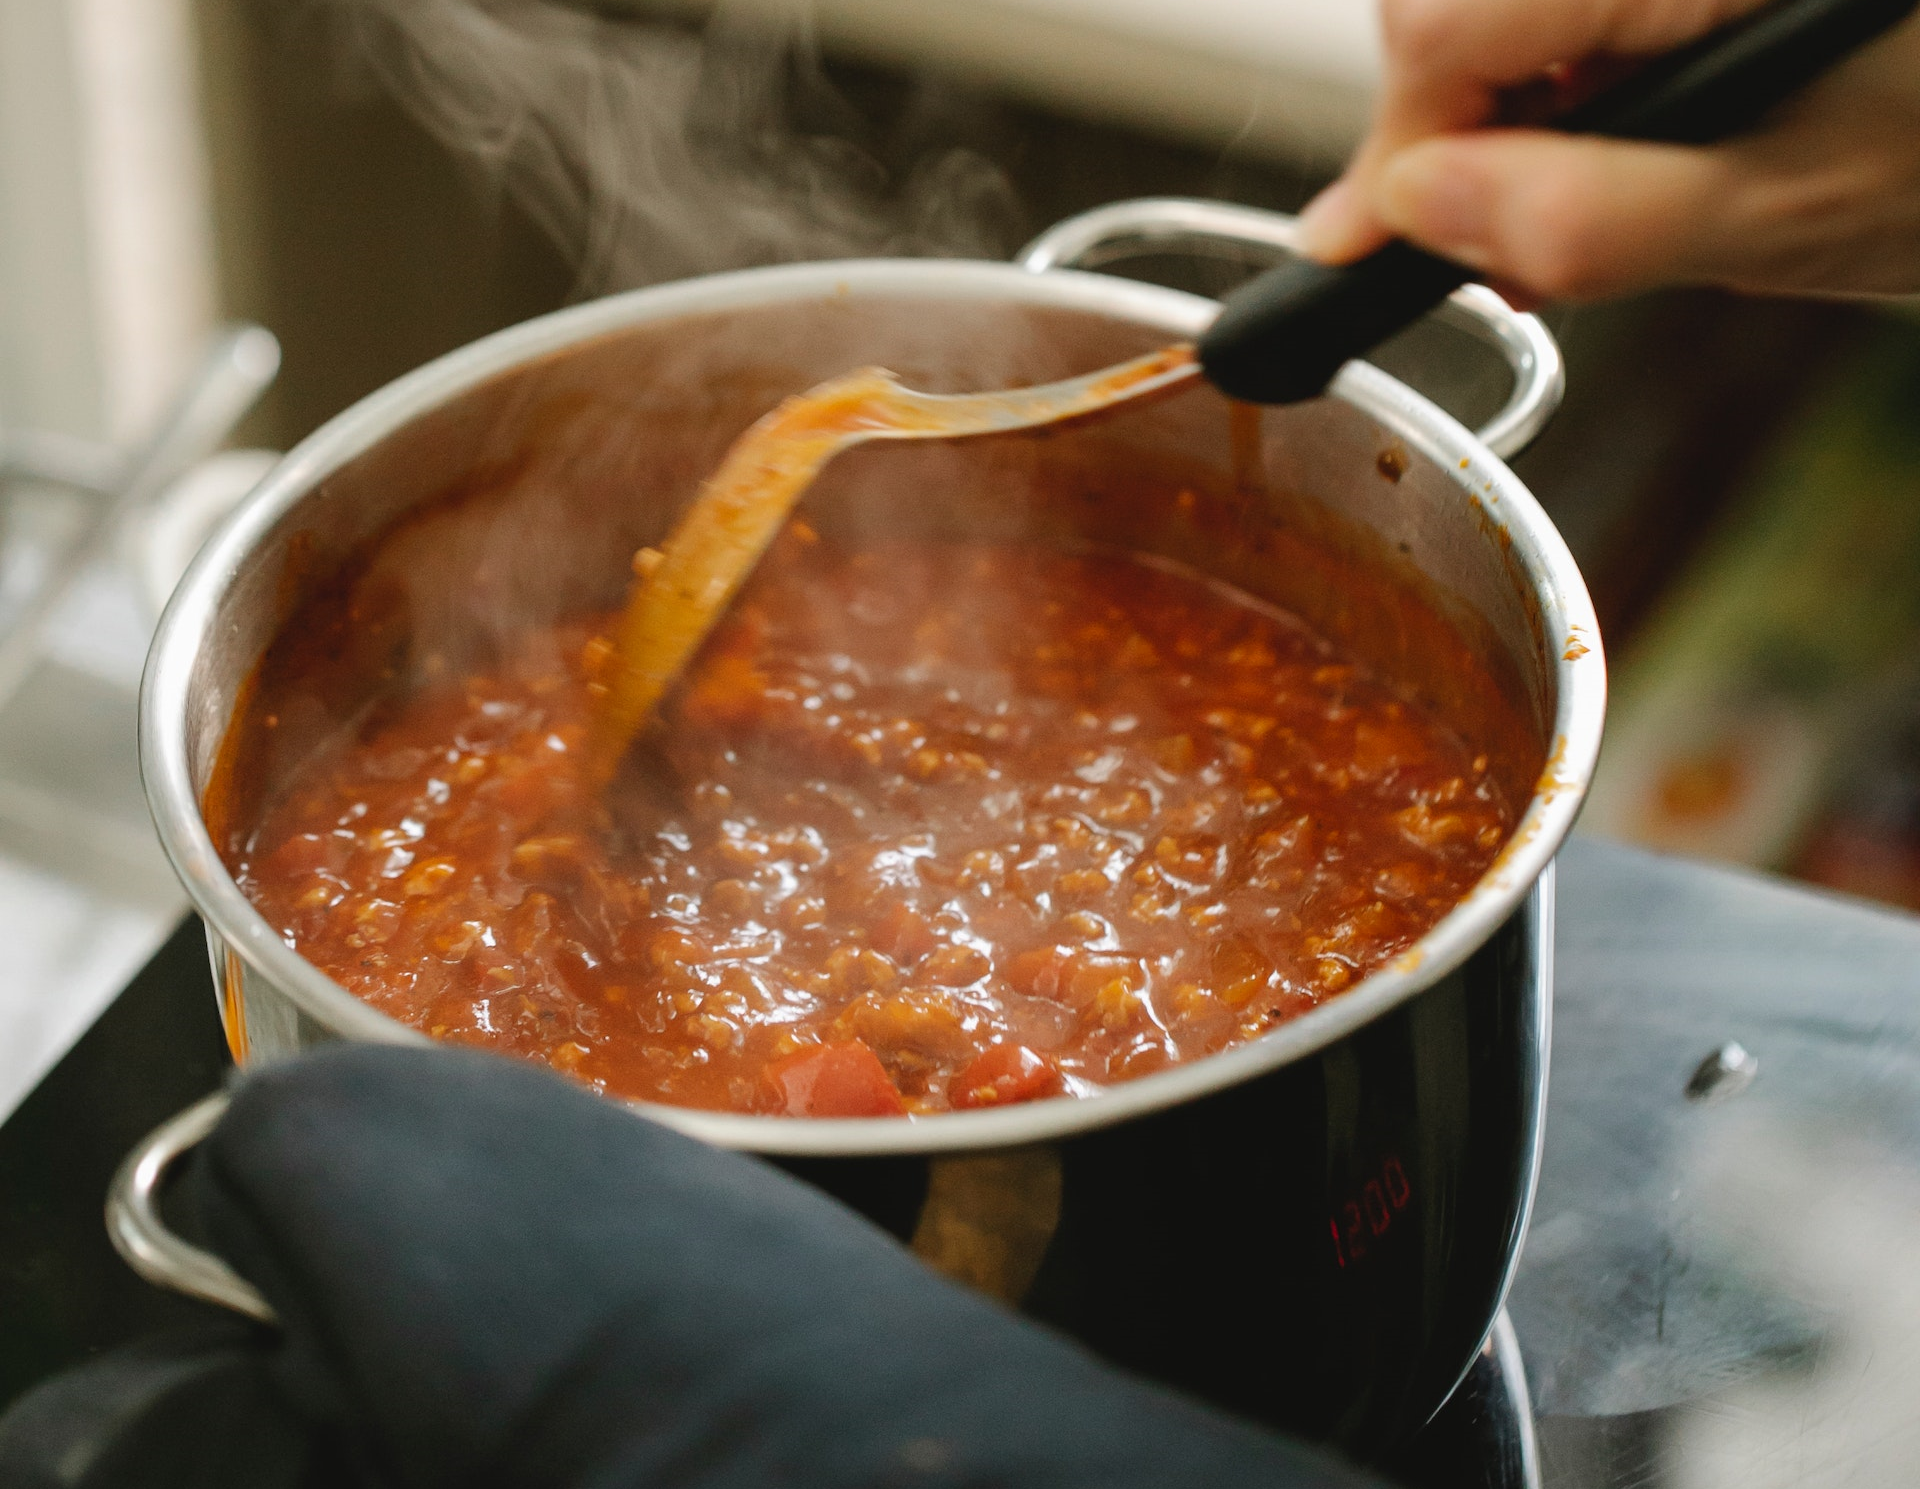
x,y
1282,336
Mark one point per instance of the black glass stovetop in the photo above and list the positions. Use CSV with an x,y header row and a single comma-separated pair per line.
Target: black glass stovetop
x,y
1721,1283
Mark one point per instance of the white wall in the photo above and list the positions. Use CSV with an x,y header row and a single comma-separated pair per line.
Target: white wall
x,y
106,295
106,262
1287,78
50,375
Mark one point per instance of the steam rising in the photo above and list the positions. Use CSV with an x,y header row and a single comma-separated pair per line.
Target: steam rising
x,y
649,151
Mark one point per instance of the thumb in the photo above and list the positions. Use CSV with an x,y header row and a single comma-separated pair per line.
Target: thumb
x,y
1563,217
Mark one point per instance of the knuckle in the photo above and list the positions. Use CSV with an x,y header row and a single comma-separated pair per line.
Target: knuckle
x,y
1414,28
1564,269
1655,25
1561,248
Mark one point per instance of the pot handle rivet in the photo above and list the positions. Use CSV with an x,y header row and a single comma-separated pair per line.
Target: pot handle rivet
x,y
1726,1072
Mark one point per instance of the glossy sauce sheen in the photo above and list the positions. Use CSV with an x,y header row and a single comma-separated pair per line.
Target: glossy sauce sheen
x,y
927,826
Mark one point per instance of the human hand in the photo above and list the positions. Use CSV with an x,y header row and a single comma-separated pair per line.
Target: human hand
x,y
1822,198
483,1274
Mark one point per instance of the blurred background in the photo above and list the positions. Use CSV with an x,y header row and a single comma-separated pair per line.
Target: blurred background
x,y
379,181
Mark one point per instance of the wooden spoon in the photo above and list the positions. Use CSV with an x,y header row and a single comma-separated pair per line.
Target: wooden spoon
x,y
743,504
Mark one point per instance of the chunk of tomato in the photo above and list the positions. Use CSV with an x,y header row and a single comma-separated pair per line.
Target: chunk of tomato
x,y
903,934
1003,1074
834,1080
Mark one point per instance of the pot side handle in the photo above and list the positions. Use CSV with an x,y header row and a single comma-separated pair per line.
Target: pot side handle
x,y
142,1237
1224,229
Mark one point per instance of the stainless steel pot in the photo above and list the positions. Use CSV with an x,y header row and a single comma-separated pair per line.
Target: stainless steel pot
x,y
1317,1227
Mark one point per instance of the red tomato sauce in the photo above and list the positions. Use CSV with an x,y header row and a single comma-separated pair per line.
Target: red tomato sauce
x,y
928,826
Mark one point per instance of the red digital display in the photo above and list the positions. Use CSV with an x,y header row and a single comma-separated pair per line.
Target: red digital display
x,y
1364,1219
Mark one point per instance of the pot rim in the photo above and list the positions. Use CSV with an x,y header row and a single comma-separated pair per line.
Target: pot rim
x,y
1506,506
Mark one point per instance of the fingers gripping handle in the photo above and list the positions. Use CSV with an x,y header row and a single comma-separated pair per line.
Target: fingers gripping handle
x,y
1725,82
1223,229
1282,336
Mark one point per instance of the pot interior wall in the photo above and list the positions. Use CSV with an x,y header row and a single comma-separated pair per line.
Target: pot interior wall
x,y
524,497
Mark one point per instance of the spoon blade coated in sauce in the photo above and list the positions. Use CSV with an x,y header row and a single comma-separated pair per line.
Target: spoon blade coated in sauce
x,y
744,504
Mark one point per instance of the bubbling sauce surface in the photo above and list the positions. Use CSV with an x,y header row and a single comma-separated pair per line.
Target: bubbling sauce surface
x,y
927,826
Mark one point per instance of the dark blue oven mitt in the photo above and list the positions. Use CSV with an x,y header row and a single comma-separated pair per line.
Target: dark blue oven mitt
x,y
487,1277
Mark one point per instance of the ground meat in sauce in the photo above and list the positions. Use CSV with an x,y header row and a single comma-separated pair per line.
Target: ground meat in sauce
x,y
930,826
